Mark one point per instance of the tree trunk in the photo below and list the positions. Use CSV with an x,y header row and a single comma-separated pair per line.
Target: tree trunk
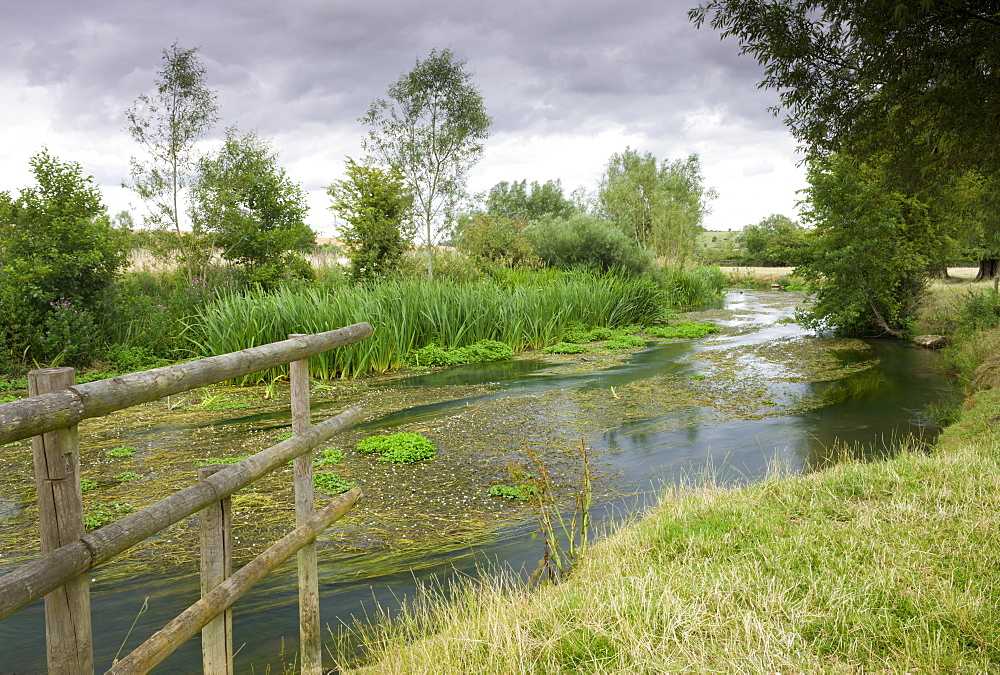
x,y
989,268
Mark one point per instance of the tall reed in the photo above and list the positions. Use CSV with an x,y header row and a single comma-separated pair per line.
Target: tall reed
x,y
411,313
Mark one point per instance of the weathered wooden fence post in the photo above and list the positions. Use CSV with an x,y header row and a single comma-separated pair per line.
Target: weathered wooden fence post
x,y
60,508
215,529
309,630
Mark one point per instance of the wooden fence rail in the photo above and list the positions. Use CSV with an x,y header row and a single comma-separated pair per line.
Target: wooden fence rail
x,y
67,554
57,410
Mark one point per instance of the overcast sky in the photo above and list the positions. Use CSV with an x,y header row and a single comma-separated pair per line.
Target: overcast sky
x,y
567,84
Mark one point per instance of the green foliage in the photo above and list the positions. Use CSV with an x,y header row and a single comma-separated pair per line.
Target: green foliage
x,y
497,239
776,241
521,202
873,252
167,125
407,314
121,452
58,252
619,342
252,208
565,348
100,514
685,330
585,242
331,484
328,457
479,352
431,129
128,476
913,83
980,310
86,485
691,286
376,204
660,206
401,448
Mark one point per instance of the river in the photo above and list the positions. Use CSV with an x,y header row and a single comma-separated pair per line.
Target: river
x,y
764,395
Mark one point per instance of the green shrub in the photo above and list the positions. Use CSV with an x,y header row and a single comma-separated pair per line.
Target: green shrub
x,y
331,483
686,330
565,348
401,448
583,241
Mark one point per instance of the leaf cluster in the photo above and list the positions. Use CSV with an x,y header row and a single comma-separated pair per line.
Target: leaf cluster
x,y
401,448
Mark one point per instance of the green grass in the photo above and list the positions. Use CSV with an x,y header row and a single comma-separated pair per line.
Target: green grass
x,y
883,567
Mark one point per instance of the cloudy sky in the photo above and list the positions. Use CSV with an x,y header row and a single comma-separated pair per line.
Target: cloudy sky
x,y
567,83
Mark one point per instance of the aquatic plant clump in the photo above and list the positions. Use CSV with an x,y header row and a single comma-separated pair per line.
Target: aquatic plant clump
x,y
122,452
481,352
624,342
401,448
331,484
565,348
685,330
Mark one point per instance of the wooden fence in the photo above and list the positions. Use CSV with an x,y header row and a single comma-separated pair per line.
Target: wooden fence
x,y
50,415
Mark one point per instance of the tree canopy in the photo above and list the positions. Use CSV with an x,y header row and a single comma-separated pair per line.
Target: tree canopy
x,y
375,203
919,80
58,253
660,205
521,201
167,125
250,206
430,128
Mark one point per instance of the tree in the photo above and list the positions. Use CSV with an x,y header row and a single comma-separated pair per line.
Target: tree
x,y
585,241
58,253
431,130
252,209
497,239
660,206
914,83
520,201
376,205
875,247
775,241
167,125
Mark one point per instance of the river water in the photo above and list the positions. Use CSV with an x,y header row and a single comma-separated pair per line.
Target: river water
x,y
761,416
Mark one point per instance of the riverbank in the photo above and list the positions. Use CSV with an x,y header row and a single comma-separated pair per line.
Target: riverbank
x,y
887,566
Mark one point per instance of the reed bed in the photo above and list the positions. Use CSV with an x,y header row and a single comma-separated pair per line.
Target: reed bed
x,y
411,313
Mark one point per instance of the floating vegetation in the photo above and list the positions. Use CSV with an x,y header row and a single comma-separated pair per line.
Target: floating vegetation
x,y
331,484
685,330
482,351
120,452
401,448
328,457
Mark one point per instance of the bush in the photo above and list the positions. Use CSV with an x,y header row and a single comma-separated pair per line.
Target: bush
x,y
401,448
582,241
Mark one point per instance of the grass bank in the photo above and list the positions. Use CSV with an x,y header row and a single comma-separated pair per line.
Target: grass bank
x,y
887,566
